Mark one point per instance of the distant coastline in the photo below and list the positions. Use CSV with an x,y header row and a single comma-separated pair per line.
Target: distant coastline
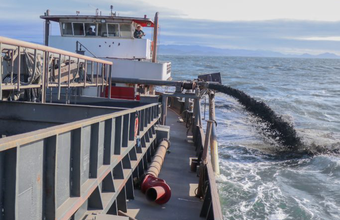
x,y
195,50
211,51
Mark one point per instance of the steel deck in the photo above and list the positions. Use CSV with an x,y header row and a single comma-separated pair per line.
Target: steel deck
x,y
176,172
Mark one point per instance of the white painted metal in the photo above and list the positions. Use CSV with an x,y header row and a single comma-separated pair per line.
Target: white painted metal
x,y
90,91
101,47
139,69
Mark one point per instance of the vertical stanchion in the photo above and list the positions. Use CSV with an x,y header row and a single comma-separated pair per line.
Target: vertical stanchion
x,y
69,72
164,108
213,139
12,66
51,75
19,68
107,71
68,80
85,72
110,81
78,66
34,68
43,77
59,77
97,74
1,70
78,63
35,63
206,142
197,112
92,71
103,76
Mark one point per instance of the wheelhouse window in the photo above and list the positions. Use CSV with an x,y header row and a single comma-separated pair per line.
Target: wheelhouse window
x,y
67,28
113,30
90,29
102,30
125,30
78,29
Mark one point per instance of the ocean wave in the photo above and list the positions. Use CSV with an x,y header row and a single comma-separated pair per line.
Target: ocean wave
x,y
266,188
260,179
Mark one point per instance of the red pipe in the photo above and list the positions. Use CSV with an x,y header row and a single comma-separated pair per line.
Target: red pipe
x,y
157,190
155,193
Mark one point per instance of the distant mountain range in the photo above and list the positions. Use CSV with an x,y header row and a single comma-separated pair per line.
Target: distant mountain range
x,y
211,51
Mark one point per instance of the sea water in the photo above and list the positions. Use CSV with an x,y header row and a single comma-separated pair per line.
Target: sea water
x,y
256,182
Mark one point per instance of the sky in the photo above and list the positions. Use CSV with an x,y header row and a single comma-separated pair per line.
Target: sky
x,y
286,26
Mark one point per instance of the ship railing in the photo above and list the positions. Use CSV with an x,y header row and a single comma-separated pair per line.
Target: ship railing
x,y
26,65
76,169
207,189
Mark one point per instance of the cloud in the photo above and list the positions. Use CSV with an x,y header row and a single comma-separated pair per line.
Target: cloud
x,y
20,20
133,8
330,38
275,35
250,10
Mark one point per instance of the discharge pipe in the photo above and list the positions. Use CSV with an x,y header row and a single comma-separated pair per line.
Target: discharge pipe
x,y
156,189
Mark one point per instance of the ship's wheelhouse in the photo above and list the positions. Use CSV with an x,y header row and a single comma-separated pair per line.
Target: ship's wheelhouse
x,y
98,29
111,38
102,36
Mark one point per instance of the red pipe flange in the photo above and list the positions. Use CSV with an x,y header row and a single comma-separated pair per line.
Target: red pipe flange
x,y
156,189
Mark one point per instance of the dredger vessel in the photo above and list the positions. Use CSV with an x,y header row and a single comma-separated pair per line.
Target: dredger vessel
x,y
85,134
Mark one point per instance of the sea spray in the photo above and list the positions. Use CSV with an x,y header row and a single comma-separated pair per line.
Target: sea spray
x,y
283,132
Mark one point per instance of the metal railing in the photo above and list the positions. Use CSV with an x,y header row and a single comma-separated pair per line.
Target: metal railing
x,y
207,189
30,66
73,170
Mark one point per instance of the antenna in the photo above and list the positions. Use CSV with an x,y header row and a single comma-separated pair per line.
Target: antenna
x,y
111,7
77,12
97,10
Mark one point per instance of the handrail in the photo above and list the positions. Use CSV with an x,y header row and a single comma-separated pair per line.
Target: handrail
x,y
63,168
211,208
20,43
22,139
215,198
213,189
52,67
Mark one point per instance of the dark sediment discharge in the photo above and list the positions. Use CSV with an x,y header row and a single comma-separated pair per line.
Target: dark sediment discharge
x,y
282,131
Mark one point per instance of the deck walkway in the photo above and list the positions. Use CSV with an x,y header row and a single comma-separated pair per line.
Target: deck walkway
x,y
176,172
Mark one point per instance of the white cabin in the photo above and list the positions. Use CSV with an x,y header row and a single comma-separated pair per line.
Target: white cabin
x,y
110,38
